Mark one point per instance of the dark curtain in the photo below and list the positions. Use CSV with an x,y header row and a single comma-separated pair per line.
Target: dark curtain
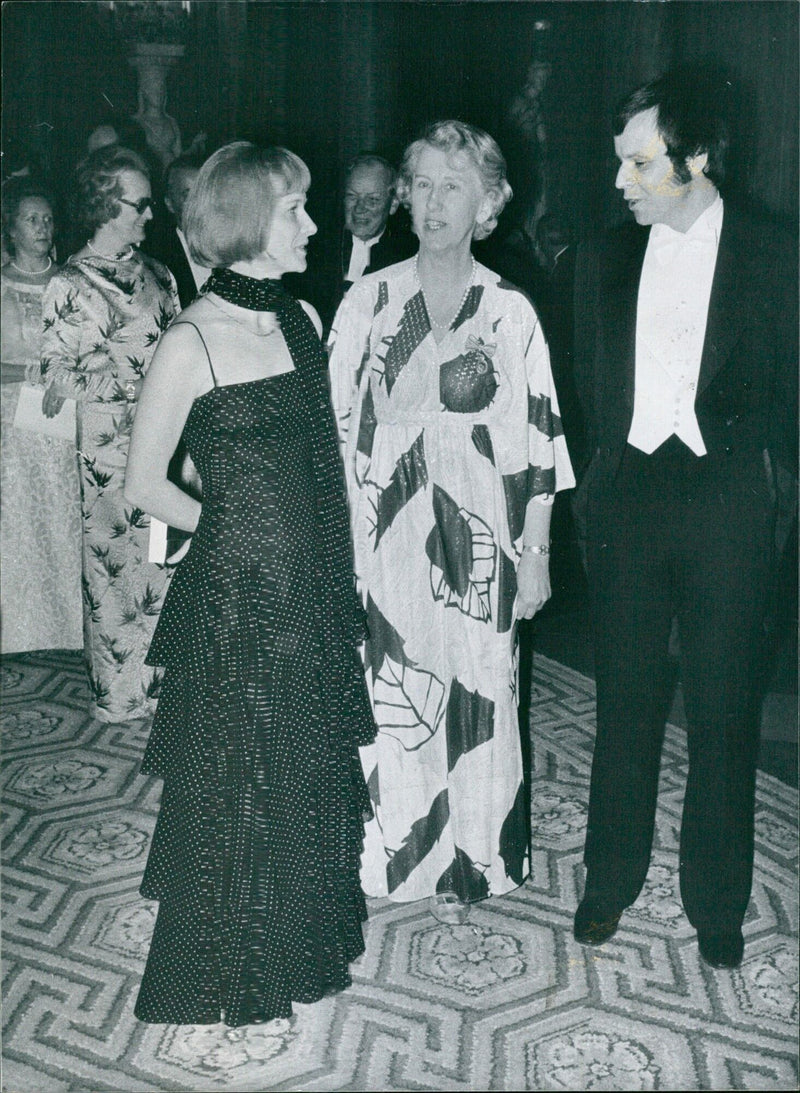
x,y
330,79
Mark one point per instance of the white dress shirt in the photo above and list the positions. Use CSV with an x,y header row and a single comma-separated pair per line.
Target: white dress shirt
x,y
671,318
359,257
200,273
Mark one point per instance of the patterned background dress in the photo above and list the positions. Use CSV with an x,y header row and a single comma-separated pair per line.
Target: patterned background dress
x,y
40,512
445,446
102,322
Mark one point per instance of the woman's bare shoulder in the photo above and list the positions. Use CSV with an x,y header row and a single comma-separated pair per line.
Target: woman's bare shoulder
x,y
313,316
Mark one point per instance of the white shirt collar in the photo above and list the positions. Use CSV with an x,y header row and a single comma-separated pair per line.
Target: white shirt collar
x,y
366,242
705,228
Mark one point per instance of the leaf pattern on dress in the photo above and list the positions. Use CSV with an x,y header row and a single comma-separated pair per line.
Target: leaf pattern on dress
x,y
469,307
410,475
469,722
383,640
423,836
519,488
91,603
541,416
513,846
374,786
99,479
366,424
515,488
462,553
383,298
464,877
412,330
409,703
506,592
482,439
541,481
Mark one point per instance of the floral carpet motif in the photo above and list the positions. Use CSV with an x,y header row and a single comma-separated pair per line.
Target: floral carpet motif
x,y
506,1001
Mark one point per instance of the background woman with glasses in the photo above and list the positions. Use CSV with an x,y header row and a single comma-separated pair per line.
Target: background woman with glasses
x,y
104,313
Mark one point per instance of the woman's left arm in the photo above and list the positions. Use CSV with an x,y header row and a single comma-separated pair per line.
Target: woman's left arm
x,y
533,572
170,387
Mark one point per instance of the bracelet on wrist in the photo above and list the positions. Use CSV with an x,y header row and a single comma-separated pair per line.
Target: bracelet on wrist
x,y
539,548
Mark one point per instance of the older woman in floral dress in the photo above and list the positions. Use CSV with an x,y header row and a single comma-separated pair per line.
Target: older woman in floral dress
x,y
453,453
103,315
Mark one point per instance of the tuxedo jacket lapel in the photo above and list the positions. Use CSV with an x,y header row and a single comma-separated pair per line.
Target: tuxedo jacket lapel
x,y
618,304
726,310
346,250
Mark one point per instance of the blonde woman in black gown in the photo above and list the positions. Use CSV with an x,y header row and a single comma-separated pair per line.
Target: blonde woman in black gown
x,y
255,856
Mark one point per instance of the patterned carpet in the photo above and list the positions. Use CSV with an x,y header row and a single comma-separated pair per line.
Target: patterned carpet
x,y
506,1002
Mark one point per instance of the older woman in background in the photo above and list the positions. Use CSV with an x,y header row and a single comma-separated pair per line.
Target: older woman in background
x,y
40,515
104,312
255,856
453,453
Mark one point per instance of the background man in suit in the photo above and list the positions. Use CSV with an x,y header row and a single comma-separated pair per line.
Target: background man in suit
x,y
373,234
169,243
371,240
686,358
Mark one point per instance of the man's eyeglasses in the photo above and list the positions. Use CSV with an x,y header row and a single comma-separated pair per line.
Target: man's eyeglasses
x,y
141,205
373,202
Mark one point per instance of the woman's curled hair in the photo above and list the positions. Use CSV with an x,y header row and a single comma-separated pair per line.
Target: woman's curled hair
x,y
97,184
454,138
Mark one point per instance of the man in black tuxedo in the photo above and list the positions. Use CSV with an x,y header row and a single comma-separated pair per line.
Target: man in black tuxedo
x,y
168,244
686,360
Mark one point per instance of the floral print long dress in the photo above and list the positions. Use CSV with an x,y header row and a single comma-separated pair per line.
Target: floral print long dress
x,y
444,446
102,321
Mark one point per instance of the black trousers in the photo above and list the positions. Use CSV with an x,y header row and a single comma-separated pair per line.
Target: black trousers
x,y
678,536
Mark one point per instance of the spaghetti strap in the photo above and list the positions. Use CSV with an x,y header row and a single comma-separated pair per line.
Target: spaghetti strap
x,y
186,322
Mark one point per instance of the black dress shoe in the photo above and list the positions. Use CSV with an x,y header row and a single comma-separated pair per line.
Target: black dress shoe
x,y
594,924
722,950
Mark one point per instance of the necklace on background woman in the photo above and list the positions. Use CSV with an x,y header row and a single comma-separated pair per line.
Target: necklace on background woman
x,y
446,325
33,272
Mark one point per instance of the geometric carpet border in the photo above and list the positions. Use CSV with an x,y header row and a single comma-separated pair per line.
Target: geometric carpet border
x,y
507,1001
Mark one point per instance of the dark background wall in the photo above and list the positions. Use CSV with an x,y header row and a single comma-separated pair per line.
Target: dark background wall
x,y
328,79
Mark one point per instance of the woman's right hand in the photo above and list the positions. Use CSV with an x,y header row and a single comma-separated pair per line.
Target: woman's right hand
x,y
53,399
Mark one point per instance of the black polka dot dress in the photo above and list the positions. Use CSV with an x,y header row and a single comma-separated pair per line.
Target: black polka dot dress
x,y
255,855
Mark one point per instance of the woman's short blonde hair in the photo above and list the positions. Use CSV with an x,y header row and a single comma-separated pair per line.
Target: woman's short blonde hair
x,y
454,137
229,209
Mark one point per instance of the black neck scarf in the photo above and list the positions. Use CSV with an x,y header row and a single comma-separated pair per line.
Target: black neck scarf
x,y
270,295
339,603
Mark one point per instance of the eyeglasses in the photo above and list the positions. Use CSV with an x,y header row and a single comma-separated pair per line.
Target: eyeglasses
x,y
141,205
373,202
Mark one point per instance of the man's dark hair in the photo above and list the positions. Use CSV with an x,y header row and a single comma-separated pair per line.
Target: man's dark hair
x,y
691,117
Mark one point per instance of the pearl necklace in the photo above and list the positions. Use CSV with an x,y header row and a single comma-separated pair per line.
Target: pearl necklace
x,y
111,257
461,302
33,272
